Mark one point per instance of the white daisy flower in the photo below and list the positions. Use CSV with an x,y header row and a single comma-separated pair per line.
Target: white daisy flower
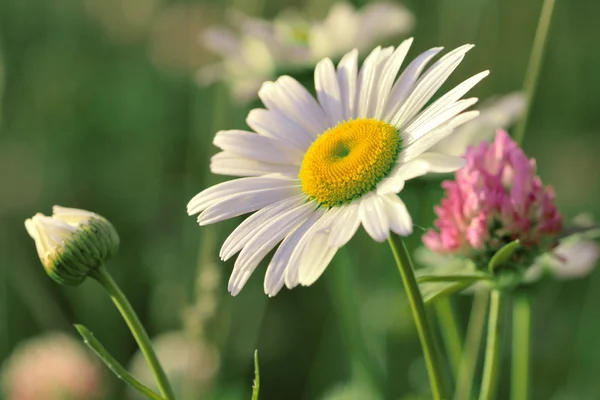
x,y
291,42
315,170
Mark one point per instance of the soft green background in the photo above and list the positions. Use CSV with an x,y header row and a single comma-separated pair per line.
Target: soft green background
x,y
99,111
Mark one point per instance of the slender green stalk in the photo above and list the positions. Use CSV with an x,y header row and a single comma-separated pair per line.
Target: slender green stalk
x,y
491,367
450,332
466,372
534,65
121,373
430,352
137,329
256,384
520,347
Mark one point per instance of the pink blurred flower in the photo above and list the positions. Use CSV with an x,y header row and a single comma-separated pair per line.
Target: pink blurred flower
x,y
51,367
496,198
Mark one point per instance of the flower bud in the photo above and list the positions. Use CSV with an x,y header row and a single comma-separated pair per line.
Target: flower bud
x,y
72,243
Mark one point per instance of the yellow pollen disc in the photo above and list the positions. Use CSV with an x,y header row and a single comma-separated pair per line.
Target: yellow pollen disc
x,y
349,160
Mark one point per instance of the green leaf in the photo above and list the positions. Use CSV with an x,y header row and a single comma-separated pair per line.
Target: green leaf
x,y
121,373
474,277
433,291
503,255
450,276
256,383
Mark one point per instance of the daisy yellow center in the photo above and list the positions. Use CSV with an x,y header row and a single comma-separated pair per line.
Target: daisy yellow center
x,y
349,160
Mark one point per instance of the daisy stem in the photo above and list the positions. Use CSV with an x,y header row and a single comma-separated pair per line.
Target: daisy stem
x,y
534,66
468,363
491,364
450,332
520,347
135,326
426,336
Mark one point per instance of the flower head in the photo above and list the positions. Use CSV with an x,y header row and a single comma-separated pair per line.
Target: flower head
x,y
72,242
315,170
292,42
51,367
495,199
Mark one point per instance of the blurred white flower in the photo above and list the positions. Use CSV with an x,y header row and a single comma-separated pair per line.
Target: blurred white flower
x,y
494,114
189,364
260,48
346,28
576,256
51,367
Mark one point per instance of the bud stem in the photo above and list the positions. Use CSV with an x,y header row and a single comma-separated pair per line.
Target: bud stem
x,y
521,347
135,326
491,367
430,351
468,363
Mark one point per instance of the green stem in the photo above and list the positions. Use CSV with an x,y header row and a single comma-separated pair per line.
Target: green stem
x,y
491,365
450,332
534,66
430,352
137,329
256,384
466,372
521,347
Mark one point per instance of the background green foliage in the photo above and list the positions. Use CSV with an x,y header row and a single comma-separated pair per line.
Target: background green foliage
x,y
100,111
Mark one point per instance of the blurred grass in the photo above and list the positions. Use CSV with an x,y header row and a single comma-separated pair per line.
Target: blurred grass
x,y
99,113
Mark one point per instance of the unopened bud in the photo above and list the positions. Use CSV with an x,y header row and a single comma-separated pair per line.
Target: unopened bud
x,y
72,243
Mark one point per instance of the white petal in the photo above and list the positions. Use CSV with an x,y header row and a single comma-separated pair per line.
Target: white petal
x,y
417,131
373,217
328,91
434,136
243,203
368,79
225,163
314,253
406,82
305,255
264,241
423,164
217,193
447,100
275,277
257,147
428,84
251,225
391,184
388,75
289,98
346,73
275,125
346,224
493,114
398,216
